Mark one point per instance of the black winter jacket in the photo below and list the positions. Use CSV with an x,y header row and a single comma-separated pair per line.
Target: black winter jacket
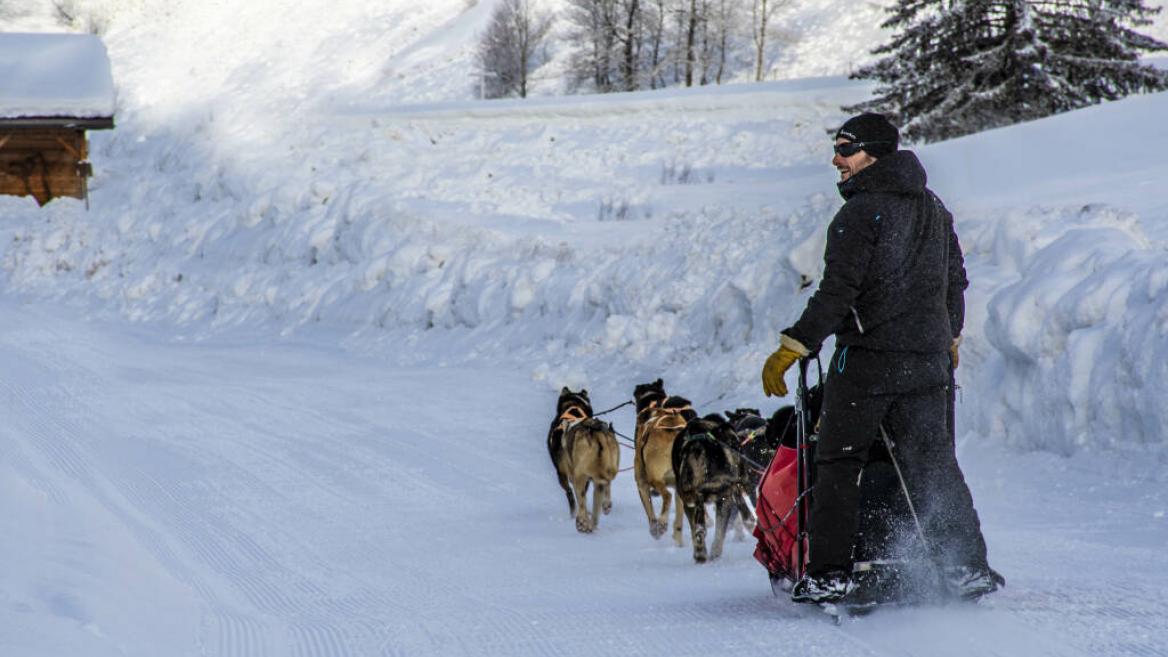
x,y
894,276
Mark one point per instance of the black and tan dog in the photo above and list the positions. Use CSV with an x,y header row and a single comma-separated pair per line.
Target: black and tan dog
x,y
590,455
708,471
755,446
653,465
571,407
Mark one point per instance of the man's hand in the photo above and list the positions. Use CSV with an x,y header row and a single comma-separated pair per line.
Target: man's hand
x,y
790,350
953,355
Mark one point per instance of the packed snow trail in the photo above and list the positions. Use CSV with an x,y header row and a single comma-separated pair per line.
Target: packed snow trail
x,y
251,498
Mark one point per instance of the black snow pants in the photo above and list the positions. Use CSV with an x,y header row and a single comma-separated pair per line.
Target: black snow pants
x,y
909,394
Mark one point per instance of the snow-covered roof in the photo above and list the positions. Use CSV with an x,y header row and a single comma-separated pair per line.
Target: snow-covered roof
x,y
54,76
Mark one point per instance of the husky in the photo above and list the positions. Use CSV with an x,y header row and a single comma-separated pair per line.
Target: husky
x,y
708,471
571,407
753,441
652,465
590,455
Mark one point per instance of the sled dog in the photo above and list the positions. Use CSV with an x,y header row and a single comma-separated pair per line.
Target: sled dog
x,y
707,471
752,440
571,407
652,464
590,454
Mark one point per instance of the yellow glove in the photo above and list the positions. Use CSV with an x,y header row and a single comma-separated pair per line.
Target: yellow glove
x,y
953,355
790,350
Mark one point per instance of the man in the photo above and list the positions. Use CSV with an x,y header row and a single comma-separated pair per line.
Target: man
x,y
893,295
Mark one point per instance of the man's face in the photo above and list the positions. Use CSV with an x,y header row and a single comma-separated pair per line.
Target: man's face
x,y
850,166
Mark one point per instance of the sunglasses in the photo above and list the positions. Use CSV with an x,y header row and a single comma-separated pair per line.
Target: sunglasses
x,y
850,148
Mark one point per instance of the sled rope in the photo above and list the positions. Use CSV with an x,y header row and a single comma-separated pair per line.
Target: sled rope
x,y
749,438
760,468
613,409
631,443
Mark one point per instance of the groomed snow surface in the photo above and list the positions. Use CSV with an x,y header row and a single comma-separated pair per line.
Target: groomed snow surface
x,y
284,389
248,498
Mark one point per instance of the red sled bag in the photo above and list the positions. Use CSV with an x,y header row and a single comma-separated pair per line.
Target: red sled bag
x,y
778,523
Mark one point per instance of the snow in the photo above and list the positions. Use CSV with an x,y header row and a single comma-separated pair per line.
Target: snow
x,y
259,497
283,389
54,75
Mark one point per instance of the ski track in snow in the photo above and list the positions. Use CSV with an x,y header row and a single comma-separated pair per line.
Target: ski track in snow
x,y
307,502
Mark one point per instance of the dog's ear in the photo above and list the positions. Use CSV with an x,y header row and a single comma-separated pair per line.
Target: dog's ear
x,y
565,391
659,383
584,393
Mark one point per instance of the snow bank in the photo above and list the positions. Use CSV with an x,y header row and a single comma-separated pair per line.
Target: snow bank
x,y
1069,233
474,218
54,75
1075,329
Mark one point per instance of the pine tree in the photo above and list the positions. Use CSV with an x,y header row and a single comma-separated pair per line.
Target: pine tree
x,y
960,66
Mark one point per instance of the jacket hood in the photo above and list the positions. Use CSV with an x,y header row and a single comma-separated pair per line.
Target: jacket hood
x,y
898,173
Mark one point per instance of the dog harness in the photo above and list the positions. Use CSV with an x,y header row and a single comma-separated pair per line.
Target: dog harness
x,y
662,414
571,416
705,435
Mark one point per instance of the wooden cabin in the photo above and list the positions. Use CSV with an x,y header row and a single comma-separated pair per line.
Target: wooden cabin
x,y
53,88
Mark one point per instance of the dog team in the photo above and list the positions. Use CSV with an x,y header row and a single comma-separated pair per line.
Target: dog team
x,y
714,459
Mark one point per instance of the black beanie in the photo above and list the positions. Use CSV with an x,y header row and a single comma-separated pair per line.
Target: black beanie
x,y
879,136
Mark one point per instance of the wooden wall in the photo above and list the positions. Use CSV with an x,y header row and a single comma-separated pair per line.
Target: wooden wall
x,y
44,162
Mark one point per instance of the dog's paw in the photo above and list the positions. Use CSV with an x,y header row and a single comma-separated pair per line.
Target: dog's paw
x,y
699,557
656,529
606,507
584,524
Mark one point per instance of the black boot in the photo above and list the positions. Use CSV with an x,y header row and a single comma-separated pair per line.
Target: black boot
x,y
827,587
972,582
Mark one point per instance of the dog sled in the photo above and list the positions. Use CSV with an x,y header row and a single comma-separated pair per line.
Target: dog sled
x,y
886,568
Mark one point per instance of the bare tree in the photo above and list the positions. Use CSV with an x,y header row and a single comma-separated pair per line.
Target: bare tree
x,y
692,22
624,45
709,42
512,48
594,35
762,12
609,38
657,39
725,25
631,37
